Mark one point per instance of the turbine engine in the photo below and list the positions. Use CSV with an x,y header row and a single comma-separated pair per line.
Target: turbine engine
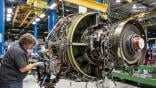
x,y
86,47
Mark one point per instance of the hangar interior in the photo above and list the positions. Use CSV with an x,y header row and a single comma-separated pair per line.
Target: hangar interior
x,y
84,43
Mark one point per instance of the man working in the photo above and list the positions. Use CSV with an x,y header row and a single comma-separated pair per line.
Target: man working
x,y
15,65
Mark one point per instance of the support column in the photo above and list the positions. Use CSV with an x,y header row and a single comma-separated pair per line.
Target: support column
x,y
52,19
2,26
36,36
36,30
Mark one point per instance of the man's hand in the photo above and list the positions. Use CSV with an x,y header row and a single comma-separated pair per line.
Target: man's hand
x,y
40,64
35,56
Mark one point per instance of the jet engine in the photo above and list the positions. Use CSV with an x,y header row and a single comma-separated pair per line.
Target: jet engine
x,y
86,47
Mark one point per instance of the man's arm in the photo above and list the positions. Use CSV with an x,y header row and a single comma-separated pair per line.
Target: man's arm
x,y
30,66
27,67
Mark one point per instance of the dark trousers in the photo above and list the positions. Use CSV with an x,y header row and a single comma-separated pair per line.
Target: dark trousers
x,y
12,85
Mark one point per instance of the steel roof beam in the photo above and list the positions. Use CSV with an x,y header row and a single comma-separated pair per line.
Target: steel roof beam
x,y
34,17
90,4
26,16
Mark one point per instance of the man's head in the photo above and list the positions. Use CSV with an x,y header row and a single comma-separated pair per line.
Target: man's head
x,y
27,41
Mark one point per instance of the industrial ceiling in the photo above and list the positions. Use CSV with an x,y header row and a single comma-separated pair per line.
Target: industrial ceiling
x,y
23,15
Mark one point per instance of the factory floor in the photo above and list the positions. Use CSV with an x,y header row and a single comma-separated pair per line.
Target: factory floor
x,y
30,82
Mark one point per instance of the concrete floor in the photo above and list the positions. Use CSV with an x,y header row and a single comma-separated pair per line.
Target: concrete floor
x,y
31,82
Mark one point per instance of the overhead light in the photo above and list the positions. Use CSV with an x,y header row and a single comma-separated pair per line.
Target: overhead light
x,y
11,0
134,6
9,15
37,19
136,10
42,16
14,29
45,32
53,6
118,1
140,19
149,22
8,19
34,22
9,10
67,10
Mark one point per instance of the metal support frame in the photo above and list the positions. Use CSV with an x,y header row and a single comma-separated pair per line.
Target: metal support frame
x,y
90,4
146,14
26,16
138,78
38,3
147,81
2,26
38,12
52,19
140,15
